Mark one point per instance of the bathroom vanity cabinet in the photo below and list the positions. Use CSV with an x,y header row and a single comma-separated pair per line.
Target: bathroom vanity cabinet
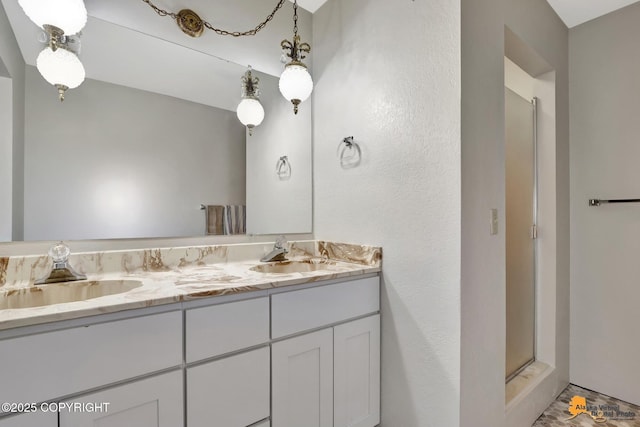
x,y
306,355
330,377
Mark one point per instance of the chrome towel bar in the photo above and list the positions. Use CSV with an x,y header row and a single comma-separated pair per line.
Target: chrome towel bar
x,y
598,202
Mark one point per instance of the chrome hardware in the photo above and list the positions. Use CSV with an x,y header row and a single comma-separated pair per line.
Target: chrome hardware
x,y
598,202
61,271
279,251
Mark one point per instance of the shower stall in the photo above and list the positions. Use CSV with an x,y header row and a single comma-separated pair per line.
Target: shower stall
x,y
521,232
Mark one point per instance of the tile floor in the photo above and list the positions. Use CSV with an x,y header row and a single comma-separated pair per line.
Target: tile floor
x,y
616,413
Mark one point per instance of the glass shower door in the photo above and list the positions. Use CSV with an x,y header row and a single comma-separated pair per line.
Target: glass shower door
x,y
520,231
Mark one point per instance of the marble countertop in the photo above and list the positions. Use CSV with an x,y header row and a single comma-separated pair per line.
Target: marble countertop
x,y
178,274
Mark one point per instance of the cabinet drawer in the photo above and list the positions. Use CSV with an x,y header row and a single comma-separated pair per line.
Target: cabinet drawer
x,y
156,401
49,365
220,329
231,392
298,311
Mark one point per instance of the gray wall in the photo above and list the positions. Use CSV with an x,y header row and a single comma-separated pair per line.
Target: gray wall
x,y
605,241
6,148
483,188
11,57
388,73
115,162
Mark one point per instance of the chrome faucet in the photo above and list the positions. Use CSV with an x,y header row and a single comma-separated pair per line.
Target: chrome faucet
x,y
61,271
279,251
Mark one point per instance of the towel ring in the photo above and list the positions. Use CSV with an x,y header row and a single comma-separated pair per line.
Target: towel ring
x,y
349,153
283,168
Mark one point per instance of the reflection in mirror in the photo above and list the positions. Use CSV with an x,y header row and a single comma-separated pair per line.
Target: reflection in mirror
x,y
149,136
6,145
103,164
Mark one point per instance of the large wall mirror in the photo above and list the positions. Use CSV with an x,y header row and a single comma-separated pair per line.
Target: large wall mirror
x,y
152,133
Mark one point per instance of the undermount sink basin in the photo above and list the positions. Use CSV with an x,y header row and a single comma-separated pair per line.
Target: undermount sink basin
x,y
285,267
57,293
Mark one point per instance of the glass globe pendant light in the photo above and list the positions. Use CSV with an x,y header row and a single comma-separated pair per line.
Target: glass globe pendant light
x,y
296,83
58,63
60,68
70,16
250,111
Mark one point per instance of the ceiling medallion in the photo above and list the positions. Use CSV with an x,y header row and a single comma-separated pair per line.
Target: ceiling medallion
x,y
190,23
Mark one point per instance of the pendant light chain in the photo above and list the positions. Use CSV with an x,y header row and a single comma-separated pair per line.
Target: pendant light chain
x,y
296,49
295,18
219,31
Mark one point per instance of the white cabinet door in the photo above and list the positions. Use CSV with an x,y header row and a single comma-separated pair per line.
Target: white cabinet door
x,y
302,381
230,392
357,373
35,419
152,402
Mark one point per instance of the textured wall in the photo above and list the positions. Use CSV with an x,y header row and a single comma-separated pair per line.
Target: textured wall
x,y
483,256
118,162
388,73
604,240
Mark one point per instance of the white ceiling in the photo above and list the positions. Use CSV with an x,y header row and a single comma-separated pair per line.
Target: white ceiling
x,y
576,12
572,12
124,34
311,5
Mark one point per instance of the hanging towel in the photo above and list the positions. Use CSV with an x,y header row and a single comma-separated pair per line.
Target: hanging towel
x,y
215,219
235,219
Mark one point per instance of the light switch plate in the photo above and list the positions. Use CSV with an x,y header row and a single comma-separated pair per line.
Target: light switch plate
x,y
493,221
